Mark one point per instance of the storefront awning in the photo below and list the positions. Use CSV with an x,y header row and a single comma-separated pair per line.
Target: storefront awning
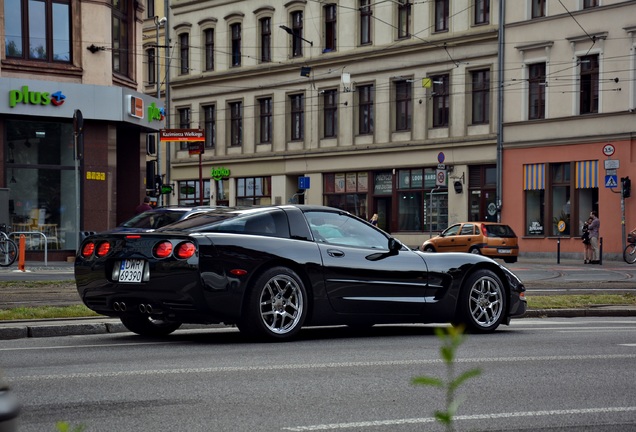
x,y
534,177
587,174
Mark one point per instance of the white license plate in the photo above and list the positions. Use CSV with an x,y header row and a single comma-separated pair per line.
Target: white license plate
x,y
131,270
504,251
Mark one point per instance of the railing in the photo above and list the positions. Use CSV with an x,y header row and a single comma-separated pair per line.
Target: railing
x,y
46,244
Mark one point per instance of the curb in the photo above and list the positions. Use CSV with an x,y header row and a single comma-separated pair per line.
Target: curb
x,y
48,328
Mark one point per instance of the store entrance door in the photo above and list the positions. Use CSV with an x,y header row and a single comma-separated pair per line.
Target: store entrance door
x,y
383,209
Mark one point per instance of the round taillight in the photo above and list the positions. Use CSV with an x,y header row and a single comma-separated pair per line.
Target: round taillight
x,y
185,250
88,249
103,249
163,249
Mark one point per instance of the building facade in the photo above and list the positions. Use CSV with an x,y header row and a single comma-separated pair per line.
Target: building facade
x,y
569,122
373,107
74,120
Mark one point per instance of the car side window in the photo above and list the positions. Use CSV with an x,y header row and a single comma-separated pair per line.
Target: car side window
x,y
467,229
451,231
344,230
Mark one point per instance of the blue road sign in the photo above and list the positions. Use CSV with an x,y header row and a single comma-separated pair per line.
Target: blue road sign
x,y
611,181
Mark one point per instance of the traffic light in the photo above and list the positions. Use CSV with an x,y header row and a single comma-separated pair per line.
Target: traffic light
x,y
626,187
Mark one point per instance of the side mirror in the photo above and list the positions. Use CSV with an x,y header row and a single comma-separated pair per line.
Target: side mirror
x,y
395,245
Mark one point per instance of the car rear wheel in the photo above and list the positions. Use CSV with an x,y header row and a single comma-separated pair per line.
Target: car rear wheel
x,y
276,306
475,251
510,260
482,302
147,326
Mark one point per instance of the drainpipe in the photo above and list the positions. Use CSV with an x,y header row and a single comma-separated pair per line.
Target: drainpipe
x,y
500,98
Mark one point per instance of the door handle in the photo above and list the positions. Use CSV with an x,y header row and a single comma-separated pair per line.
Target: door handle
x,y
335,253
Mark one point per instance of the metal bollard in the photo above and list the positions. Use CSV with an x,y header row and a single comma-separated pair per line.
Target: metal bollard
x,y
559,250
600,250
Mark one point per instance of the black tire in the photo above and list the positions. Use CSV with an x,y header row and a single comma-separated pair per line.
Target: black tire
x,y
8,252
276,306
429,248
475,250
511,260
629,254
482,302
144,325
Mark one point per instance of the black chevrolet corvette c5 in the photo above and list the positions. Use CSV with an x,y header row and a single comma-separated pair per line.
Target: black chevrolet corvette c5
x,y
273,270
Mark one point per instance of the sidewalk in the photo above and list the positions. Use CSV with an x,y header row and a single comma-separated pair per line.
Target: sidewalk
x,y
538,274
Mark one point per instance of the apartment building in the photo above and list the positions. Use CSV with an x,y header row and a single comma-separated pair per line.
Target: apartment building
x,y
373,107
569,122
69,86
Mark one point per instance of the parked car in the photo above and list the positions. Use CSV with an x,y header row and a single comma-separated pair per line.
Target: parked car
x,y
159,217
491,239
272,270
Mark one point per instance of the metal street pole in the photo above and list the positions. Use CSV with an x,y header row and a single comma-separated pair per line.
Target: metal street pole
x,y
158,23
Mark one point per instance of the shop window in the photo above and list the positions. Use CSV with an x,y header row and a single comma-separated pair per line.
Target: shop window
x,y
223,192
561,197
347,191
421,205
40,176
190,193
253,191
482,184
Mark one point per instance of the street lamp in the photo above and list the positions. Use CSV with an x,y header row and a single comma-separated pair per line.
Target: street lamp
x,y
158,23
293,33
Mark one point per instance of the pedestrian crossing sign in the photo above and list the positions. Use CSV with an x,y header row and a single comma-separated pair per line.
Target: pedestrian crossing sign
x,y
611,181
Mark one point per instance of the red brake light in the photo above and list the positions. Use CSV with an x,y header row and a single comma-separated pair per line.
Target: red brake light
x,y
185,250
484,231
163,249
88,249
103,249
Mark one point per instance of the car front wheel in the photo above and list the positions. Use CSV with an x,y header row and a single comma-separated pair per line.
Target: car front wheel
x,y
429,248
147,326
276,306
482,302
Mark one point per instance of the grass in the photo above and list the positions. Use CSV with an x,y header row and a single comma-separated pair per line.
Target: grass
x,y
534,302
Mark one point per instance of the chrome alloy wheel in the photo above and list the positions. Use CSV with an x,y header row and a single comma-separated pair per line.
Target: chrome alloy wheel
x,y
486,301
281,304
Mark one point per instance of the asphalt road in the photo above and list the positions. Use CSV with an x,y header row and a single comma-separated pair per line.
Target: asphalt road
x,y
566,375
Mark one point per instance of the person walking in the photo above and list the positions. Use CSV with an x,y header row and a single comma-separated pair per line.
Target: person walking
x,y
144,206
587,244
594,227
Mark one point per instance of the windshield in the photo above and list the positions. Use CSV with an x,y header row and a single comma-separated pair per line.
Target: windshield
x,y
153,219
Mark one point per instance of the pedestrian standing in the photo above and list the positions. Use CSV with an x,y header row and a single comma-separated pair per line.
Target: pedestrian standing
x,y
144,206
587,244
594,227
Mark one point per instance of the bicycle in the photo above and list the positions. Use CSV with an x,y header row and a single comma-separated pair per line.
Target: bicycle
x,y
629,254
8,248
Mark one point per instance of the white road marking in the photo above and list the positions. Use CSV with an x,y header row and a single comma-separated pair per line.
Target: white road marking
x,y
87,346
379,423
309,366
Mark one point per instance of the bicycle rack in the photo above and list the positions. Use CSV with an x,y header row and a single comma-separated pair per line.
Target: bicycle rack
x,y
46,244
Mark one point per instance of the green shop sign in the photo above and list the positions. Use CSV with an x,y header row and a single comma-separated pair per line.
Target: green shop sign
x,y
28,97
219,173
